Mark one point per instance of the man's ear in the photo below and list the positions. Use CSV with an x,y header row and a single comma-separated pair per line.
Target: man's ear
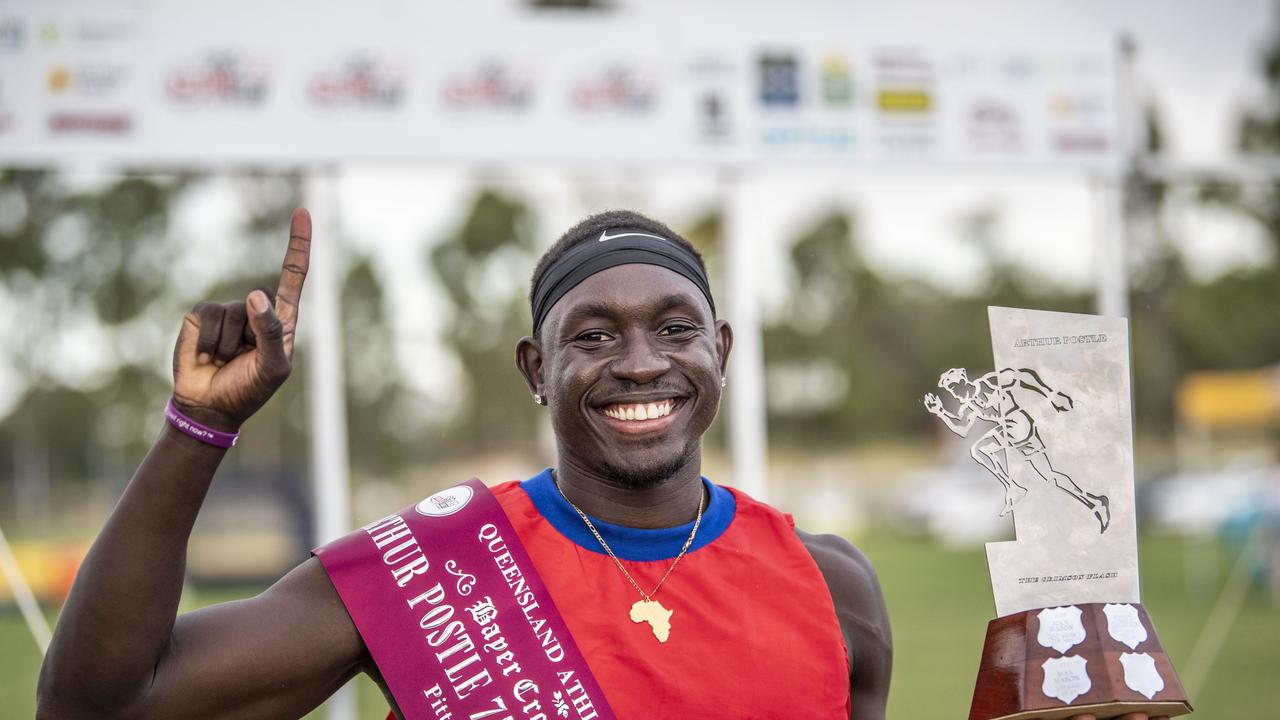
x,y
724,343
529,362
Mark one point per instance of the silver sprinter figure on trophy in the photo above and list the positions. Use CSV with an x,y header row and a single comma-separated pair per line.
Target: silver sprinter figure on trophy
x,y
998,398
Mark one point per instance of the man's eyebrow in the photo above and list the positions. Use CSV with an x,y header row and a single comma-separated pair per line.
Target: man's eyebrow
x,y
589,310
679,300
597,309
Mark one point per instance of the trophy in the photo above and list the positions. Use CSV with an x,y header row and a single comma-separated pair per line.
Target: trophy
x,y
1052,424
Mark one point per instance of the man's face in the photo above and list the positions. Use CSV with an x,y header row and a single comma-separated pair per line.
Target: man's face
x,y
630,362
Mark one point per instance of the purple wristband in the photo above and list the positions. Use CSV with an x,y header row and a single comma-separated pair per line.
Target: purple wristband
x,y
203,433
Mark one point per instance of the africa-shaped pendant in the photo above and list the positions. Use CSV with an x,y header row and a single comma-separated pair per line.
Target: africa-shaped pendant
x,y
658,617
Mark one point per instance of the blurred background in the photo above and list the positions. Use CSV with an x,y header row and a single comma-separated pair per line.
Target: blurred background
x,y
863,180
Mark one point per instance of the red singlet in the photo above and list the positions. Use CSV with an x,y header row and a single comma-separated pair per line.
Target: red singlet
x,y
753,633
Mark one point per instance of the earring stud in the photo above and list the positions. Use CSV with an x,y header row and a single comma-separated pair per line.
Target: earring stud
x,y
723,381
537,399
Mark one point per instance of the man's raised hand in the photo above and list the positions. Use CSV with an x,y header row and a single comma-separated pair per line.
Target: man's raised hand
x,y
230,358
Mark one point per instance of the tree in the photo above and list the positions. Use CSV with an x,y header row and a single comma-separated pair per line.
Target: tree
x,y
842,358
1230,322
85,269
494,240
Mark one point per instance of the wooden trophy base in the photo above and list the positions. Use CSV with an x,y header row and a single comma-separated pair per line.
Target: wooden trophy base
x,y
1060,662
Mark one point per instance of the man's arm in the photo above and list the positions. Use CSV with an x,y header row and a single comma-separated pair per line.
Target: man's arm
x,y
119,650
860,608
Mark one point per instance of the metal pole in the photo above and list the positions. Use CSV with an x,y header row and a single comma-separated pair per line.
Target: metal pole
x,y
748,433
325,388
1112,270
1111,264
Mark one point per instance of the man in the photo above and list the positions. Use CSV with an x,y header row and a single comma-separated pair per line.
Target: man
x,y
629,359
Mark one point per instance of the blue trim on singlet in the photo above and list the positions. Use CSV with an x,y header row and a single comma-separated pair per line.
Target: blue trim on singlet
x,y
626,542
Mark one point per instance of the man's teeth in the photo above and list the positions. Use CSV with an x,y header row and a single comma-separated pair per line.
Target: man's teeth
x,y
640,411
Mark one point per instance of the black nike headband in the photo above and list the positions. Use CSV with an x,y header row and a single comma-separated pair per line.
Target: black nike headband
x,y
615,246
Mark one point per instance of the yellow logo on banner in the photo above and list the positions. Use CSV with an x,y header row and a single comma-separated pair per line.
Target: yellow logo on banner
x,y
59,79
904,100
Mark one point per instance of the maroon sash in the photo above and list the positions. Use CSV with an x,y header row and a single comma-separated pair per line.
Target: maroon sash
x,y
455,616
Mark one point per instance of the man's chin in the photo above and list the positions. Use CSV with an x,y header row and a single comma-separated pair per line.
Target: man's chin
x,y
647,473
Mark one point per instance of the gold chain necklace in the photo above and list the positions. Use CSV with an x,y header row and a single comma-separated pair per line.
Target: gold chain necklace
x,y
646,610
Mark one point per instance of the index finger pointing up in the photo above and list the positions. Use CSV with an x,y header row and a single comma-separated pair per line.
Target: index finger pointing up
x,y
293,273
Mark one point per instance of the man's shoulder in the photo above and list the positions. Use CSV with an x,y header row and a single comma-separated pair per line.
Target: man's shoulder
x,y
846,568
507,487
860,608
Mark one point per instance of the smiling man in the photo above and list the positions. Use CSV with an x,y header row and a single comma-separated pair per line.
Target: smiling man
x,y
642,589
752,618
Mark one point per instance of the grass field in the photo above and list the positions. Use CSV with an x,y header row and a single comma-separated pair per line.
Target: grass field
x,y
939,602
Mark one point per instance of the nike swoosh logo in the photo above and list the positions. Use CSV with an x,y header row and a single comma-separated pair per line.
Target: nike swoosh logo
x,y
604,235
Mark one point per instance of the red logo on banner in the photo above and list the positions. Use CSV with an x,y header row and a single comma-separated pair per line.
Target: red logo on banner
x,y
223,78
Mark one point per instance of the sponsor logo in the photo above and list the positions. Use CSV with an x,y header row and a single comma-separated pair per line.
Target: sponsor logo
x,y
493,85
836,81
12,33
222,78
779,80
821,139
445,502
59,80
85,80
618,88
711,111
100,32
360,81
84,123
1020,68
49,33
904,101
1081,143
907,142
605,236
994,126
712,77
1068,106
902,62
904,85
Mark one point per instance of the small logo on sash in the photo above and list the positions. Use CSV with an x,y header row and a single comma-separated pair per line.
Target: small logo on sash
x,y
445,502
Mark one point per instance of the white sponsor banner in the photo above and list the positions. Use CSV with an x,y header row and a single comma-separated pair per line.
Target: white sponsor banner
x,y
289,81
